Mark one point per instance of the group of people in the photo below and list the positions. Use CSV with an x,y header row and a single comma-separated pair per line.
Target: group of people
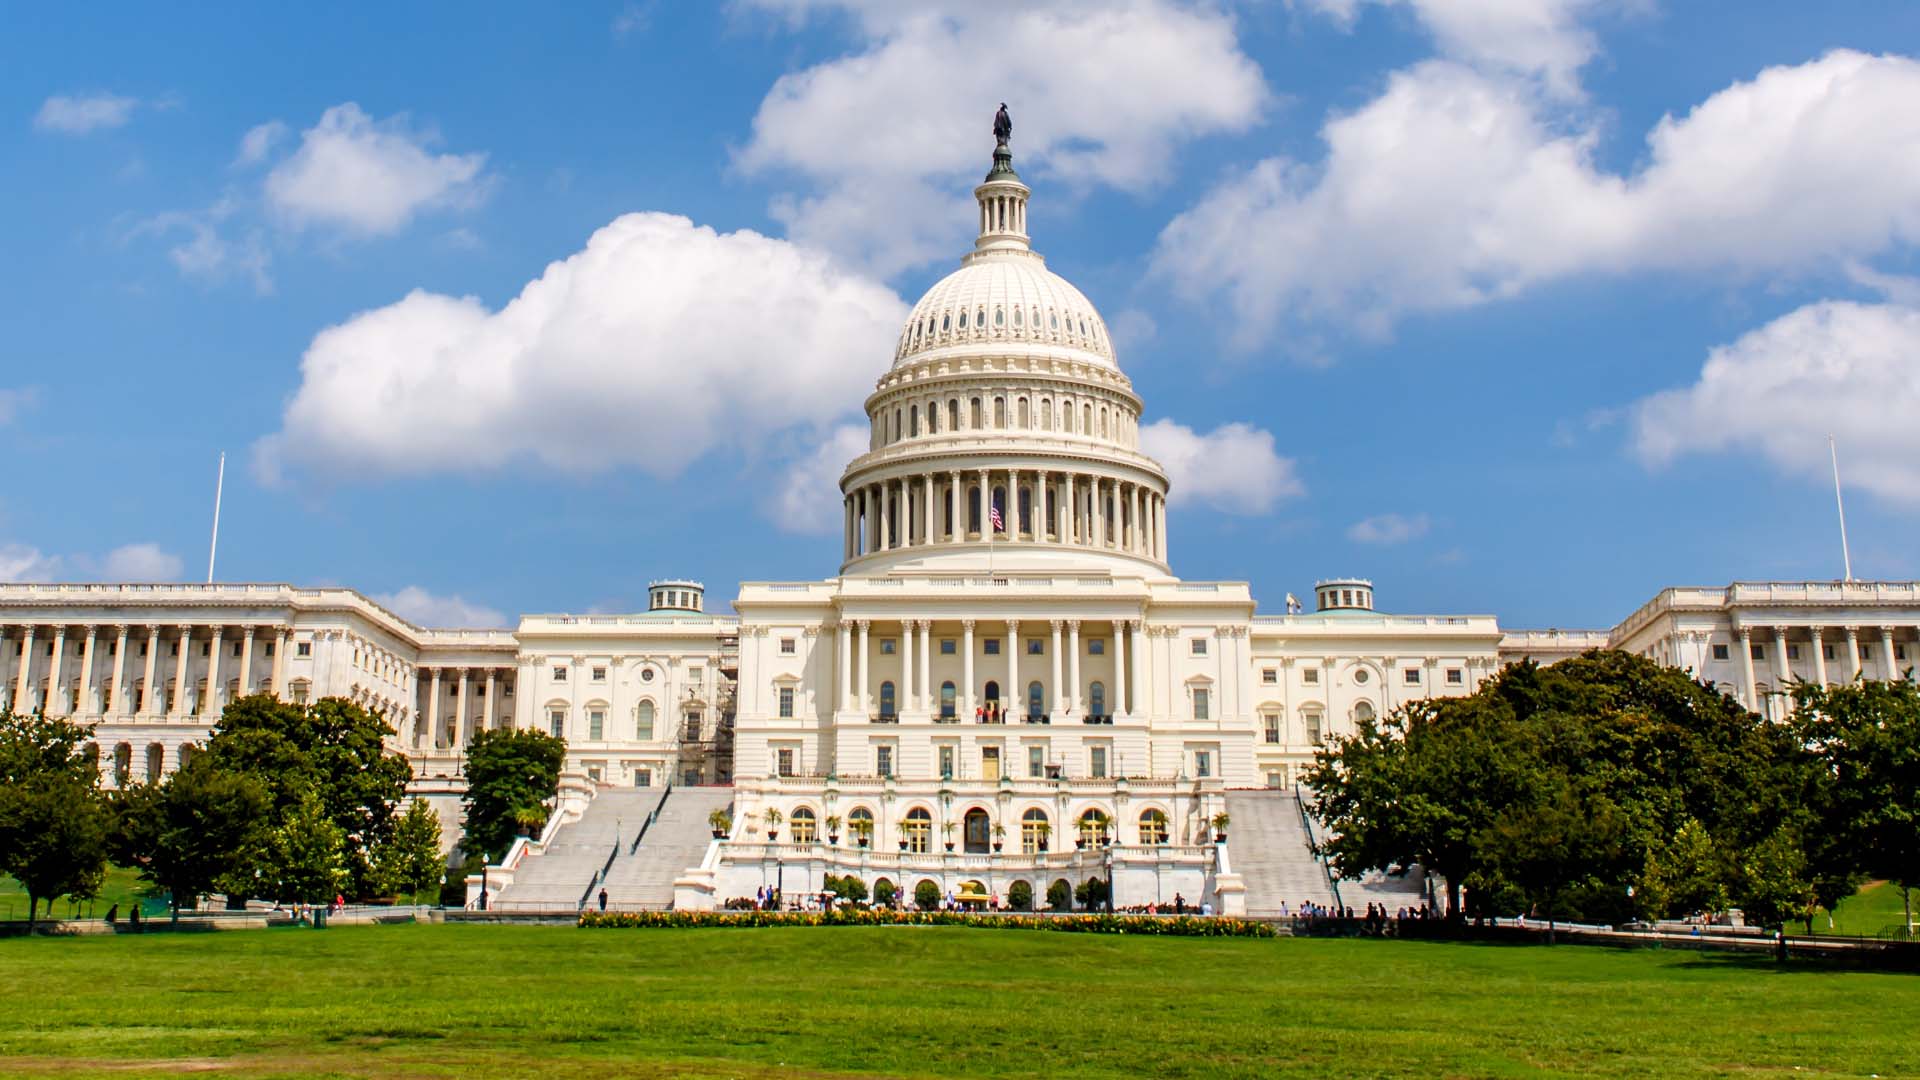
x,y
1177,906
1376,921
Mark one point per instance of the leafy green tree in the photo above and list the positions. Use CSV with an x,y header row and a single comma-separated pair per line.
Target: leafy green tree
x,y
200,826
1092,893
1866,737
1685,874
306,855
511,774
885,892
1020,896
410,862
926,895
334,750
53,822
1060,896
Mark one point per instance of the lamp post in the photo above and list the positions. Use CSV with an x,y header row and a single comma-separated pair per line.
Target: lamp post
x,y
1109,856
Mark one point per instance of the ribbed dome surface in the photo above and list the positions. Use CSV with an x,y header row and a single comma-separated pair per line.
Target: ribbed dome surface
x,y
1007,298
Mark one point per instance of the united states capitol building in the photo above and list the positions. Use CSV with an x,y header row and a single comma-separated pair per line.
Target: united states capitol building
x,y
1004,680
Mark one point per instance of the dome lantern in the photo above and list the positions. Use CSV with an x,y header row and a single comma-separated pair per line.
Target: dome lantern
x,y
1003,206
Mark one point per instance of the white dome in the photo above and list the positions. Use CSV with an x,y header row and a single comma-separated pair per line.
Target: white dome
x,y
1005,297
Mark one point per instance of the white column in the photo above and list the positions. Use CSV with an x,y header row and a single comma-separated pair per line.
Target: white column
x,y
846,667
1120,698
1782,671
1853,653
968,698
488,713
1069,526
907,699
88,705
20,698
180,673
461,736
1134,655
1097,486
886,515
930,516
1073,667
931,699
118,688
986,502
56,703
1042,502
959,530
433,709
1888,671
1819,658
1136,534
211,705
1053,689
150,704
1746,669
1012,691
860,674
246,660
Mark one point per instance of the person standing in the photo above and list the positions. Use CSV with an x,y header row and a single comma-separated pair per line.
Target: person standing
x,y
603,898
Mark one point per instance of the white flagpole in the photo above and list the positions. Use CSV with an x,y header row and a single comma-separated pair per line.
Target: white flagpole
x,y
1846,557
219,483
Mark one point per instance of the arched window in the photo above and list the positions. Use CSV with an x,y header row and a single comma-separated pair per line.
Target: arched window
x,y
1097,698
917,830
1046,414
1094,828
933,418
993,692
187,753
953,414
913,420
156,761
1153,827
1036,700
1362,712
1053,321
974,417
976,829
886,700
946,701
979,319
1024,418
963,320
999,412
897,428
860,824
946,322
805,828
643,722
999,317
1033,831
122,764
1016,317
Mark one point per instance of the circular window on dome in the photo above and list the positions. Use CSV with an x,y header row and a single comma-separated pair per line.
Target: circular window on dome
x,y
999,317
1360,676
946,323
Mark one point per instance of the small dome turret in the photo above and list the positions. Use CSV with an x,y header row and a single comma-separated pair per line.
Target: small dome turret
x,y
676,594
1343,594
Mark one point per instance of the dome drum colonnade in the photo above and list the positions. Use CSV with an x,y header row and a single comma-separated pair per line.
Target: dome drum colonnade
x,y
1004,394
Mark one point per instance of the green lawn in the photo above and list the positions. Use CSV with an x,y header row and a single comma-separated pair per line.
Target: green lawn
x,y
121,886
932,1002
1875,911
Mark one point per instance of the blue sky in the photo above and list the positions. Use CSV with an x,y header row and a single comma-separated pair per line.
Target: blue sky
x,y
1455,268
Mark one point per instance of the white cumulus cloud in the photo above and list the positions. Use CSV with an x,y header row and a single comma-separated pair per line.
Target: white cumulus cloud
x,y
1455,188
367,177
890,137
140,562
21,563
1546,38
1839,368
1232,468
1388,529
81,114
423,608
259,141
659,342
810,491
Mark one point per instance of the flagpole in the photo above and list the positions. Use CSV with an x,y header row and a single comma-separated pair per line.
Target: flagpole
x,y
1846,557
219,484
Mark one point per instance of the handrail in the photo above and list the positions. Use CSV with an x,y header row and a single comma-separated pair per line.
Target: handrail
x,y
652,816
1306,822
599,875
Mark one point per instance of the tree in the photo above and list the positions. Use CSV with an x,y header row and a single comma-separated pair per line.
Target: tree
x,y
1060,896
1866,738
410,862
926,895
53,824
334,750
200,826
1020,896
511,775
1092,893
885,892
306,855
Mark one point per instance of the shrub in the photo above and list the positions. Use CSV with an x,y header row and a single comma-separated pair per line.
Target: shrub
x,y
1020,895
848,888
884,892
926,895
1060,896
1092,893
1153,926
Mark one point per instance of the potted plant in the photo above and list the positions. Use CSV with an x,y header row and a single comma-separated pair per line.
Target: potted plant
x,y
1043,831
721,823
773,817
1220,823
862,831
833,828
946,831
999,835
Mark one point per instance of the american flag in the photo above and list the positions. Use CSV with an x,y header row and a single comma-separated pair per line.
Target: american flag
x,y
993,518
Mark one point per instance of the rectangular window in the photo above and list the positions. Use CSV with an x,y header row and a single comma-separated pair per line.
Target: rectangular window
x,y
788,646
1097,762
206,648
559,674
557,723
1096,646
1456,677
947,647
1899,652
1793,652
1273,728
1310,676
1036,761
946,763
599,674
299,695
643,778
143,650
1277,779
1203,763
1199,646
786,702
1410,676
993,646
785,761
596,724
300,648
1826,651
1034,647
886,646
1269,676
236,650
1758,652
883,760
1199,704
693,674
1719,652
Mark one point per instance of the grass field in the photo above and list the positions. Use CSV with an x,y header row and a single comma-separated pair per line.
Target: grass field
x,y
926,1002
120,886
1875,911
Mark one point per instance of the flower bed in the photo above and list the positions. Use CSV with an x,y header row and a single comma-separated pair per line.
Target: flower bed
x,y
1160,926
